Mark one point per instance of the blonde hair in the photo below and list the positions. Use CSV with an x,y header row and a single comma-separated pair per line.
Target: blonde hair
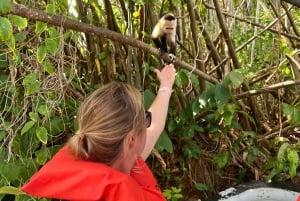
x,y
104,120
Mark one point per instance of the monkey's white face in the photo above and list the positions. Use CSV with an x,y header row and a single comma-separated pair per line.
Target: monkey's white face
x,y
169,27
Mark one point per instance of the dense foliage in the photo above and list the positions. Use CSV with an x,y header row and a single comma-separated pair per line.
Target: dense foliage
x,y
235,112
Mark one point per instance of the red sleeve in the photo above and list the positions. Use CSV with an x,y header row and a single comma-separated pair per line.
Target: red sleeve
x,y
298,198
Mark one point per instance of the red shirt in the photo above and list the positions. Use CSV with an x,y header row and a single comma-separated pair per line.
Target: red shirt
x,y
68,179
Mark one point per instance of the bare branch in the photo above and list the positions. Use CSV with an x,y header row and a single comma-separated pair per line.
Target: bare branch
x,y
268,89
59,20
294,2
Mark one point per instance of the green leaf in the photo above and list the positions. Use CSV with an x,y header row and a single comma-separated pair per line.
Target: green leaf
x,y
34,116
236,78
222,95
27,127
281,156
41,53
221,159
148,97
2,135
41,156
5,29
203,187
5,6
11,190
50,8
19,37
33,88
51,46
181,78
19,21
30,78
44,110
48,68
293,158
164,143
40,27
42,134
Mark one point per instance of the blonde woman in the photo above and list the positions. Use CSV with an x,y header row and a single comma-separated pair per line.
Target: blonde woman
x,y
105,159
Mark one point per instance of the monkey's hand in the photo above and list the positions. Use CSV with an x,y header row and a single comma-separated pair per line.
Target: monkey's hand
x,y
173,58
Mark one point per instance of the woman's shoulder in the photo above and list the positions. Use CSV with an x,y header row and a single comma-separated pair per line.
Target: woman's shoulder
x,y
66,178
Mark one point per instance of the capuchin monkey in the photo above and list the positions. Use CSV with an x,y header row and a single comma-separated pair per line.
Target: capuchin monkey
x,y
164,36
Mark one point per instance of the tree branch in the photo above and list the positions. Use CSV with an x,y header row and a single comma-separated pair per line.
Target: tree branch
x,y
268,89
293,2
59,20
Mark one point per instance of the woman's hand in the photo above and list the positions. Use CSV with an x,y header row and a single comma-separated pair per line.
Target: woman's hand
x,y
166,76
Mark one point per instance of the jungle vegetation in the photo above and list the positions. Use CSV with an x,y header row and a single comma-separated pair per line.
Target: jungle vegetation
x,y
235,111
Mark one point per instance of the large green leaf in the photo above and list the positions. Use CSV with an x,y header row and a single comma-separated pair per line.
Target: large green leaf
x,y
164,143
222,95
5,29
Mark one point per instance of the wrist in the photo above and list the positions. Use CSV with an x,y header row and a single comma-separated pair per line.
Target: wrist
x,y
165,89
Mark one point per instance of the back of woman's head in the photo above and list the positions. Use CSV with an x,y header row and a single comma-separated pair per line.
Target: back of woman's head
x,y
104,119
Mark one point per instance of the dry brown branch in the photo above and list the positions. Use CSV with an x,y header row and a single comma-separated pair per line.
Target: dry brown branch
x,y
293,2
254,23
250,93
228,39
59,20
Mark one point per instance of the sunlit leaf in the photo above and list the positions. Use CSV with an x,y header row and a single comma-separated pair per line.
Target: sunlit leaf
x,y
40,27
30,78
27,127
50,8
19,21
48,67
54,34
41,53
51,46
34,116
5,29
33,88
44,110
293,158
42,134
